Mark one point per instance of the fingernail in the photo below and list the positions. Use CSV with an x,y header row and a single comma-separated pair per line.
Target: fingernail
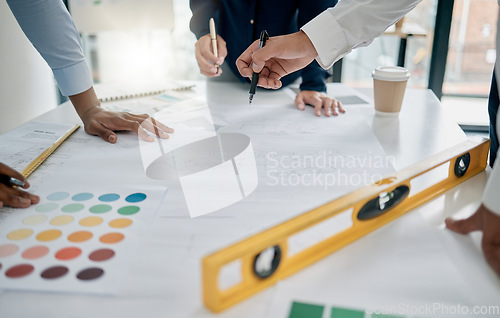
x,y
112,138
24,201
150,139
164,134
255,67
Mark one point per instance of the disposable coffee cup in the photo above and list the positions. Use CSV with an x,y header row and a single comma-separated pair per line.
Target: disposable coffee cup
x,y
389,86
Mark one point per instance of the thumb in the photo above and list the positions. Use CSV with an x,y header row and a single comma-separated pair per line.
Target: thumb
x,y
262,55
105,133
471,224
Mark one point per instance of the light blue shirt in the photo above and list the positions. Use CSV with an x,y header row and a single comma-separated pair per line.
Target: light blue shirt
x,y
51,30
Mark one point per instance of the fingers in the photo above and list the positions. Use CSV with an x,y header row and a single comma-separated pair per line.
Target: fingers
x,y
262,55
8,171
16,198
471,224
320,101
299,102
329,106
491,238
207,61
99,129
221,47
243,62
104,123
317,103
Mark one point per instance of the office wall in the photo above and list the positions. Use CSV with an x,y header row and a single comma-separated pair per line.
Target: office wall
x,y
27,86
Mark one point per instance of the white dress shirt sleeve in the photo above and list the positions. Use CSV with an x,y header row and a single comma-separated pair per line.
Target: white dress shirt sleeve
x,y
351,24
50,28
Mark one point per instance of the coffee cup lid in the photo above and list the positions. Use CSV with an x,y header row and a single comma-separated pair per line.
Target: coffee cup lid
x,y
391,73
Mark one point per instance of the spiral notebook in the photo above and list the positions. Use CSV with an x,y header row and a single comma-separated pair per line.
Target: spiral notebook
x,y
128,90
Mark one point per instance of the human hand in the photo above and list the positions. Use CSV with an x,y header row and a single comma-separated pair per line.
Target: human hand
x,y
103,123
14,196
489,223
207,61
319,100
281,56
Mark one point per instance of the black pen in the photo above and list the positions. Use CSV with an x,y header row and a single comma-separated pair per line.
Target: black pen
x,y
8,181
255,77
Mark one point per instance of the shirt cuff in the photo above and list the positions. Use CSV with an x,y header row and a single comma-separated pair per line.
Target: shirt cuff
x,y
332,45
74,79
491,199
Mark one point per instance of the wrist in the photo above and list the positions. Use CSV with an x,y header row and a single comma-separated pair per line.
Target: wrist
x,y
85,103
307,44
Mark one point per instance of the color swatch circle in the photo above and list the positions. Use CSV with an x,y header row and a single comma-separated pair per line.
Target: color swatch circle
x,y
54,272
62,220
136,197
128,210
57,196
111,238
20,270
120,223
80,236
34,219
100,208
91,221
82,196
101,255
49,235
8,250
90,273
109,197
20,234
35,252
68,253
73,207
46,207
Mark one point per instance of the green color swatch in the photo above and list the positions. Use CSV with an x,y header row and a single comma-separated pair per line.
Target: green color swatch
x,y
346,313
46,207
128,210
301,310
73,207
100,208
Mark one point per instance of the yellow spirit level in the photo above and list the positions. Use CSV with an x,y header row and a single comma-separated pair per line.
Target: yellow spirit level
x,y
278,252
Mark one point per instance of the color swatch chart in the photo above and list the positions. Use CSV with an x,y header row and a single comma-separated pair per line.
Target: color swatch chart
x,y
72,241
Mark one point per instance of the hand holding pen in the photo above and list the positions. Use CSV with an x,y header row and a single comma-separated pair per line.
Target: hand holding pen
x,y
10,193
255,76
210,58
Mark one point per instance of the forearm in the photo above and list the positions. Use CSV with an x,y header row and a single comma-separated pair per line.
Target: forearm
x,y
351,24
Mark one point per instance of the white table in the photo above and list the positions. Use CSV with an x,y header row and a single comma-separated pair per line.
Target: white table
x,y
368,273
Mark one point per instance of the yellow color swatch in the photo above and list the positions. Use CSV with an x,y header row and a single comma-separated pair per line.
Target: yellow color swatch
x,y
48,235
91,221
120,223
62,220
20,234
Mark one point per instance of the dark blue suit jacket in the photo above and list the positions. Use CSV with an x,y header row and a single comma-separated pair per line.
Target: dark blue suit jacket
x,y
239,23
